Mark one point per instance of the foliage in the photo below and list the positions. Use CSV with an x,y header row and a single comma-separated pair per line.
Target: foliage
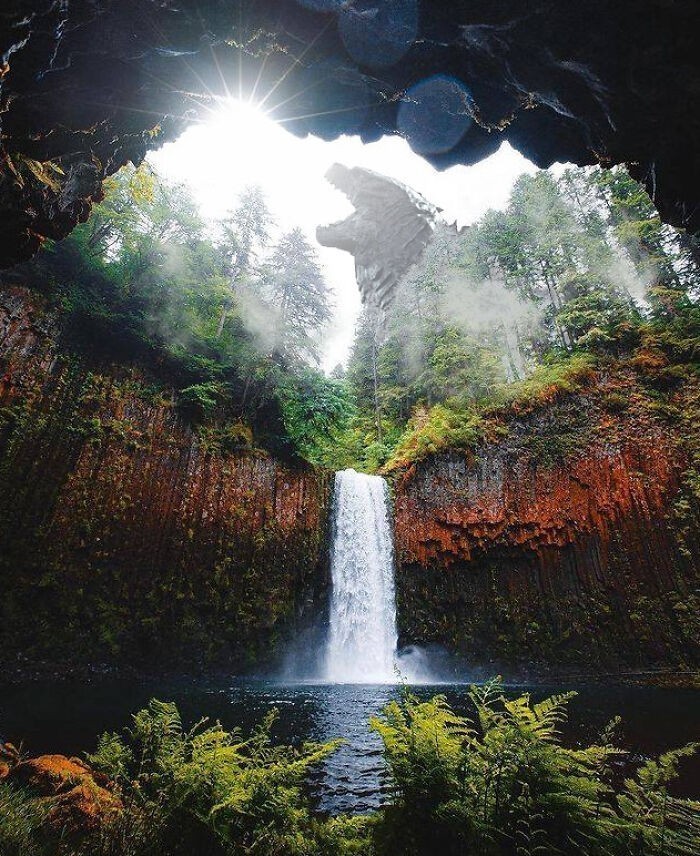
x,y
20,824
300,297
454,426
436,430
316,410
502,783
209,790
224,314
516,309
496,783
575,265
201,398
556,375
191,791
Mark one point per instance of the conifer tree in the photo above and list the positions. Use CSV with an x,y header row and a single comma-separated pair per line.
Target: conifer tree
x,y
300,298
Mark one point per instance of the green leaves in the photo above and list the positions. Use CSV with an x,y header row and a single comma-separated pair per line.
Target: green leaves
x,y
495,783
200,399
207,784
651,819
571,267
502,784
316,410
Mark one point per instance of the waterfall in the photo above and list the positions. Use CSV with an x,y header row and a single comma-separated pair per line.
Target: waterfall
x,y
362,636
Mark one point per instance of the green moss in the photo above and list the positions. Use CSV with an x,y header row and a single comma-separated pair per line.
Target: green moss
x,y
227,438
87,578
557,438
447,426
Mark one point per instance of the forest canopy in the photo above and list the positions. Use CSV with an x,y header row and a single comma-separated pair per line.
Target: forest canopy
x,y
228,315
576,268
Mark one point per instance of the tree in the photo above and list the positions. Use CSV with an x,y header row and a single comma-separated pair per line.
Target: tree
x,y
300,297
664,258
245,234
316,409
144,280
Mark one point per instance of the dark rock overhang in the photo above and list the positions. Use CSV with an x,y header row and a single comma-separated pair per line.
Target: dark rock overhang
x,y
87,85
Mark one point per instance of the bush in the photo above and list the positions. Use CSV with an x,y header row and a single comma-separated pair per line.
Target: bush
x,y
203,791
441,428
497,784
200,399
208,790
503,784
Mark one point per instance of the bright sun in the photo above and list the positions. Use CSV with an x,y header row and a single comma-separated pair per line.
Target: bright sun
x,y
252,135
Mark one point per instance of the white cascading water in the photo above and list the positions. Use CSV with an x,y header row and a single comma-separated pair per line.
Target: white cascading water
x,y
362,637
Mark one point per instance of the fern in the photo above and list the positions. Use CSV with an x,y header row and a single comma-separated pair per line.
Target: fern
x,y
499,783
509,788
652,821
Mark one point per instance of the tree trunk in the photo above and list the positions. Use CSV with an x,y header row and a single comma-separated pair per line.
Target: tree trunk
x,y
222,321
375,377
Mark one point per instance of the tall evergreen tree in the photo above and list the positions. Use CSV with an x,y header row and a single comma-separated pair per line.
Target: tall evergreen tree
x,y
245,235
300,297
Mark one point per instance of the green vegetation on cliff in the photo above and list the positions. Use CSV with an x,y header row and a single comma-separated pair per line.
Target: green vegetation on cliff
x,y
140,522
577,273
228,317
498,783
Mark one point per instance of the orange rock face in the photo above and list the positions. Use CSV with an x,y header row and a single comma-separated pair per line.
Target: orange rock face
x,y
559,547
50,774
128,537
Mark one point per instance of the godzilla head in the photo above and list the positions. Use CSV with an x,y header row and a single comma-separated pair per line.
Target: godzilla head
x,y
386,233
343,234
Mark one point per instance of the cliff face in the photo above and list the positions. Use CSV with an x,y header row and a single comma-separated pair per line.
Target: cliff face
x,y
573,544
123,536
127,537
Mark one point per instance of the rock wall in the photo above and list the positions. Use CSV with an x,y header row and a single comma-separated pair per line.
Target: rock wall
x,y
125,538
572,545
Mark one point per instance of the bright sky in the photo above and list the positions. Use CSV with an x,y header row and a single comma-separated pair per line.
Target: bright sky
x,y
241,146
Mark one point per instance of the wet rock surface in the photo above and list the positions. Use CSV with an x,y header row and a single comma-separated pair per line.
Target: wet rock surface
x,y
569,546
87,85
124,538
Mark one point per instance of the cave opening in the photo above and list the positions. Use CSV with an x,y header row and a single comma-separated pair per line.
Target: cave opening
x,y
338,336
85,90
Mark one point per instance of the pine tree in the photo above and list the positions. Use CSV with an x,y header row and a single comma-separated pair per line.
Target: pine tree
x,y
245,233
300,297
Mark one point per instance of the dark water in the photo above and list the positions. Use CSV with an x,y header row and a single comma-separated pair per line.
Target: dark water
x,y
67,717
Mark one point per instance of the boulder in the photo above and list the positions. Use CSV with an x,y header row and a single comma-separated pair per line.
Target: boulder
x,y
77,798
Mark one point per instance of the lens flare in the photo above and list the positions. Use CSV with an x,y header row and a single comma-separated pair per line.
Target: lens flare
x,y
435,114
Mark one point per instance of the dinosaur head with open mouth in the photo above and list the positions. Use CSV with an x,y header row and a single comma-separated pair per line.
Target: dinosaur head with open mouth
x,y
386,233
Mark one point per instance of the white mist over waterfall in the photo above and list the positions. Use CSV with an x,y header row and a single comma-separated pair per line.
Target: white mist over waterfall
x,y
362,634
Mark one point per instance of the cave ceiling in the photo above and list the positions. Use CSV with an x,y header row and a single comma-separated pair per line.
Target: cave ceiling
x,y
89,85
